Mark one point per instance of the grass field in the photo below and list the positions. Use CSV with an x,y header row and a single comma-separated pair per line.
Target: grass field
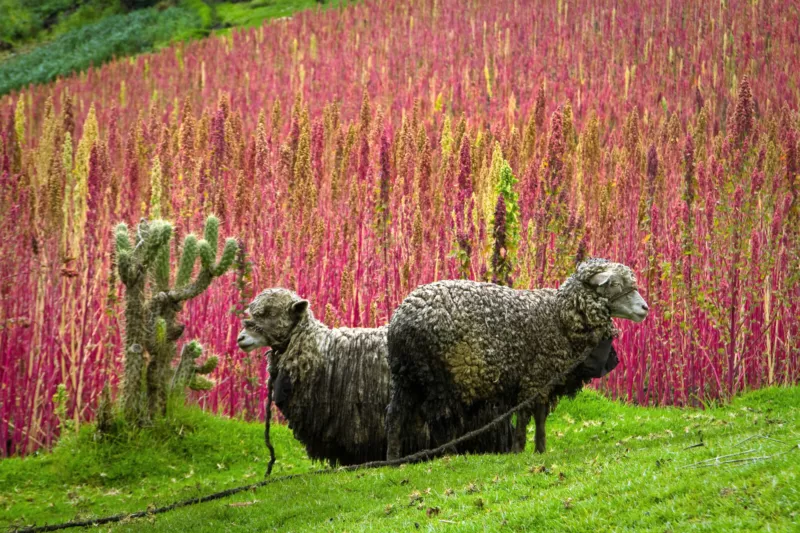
x,y
609,467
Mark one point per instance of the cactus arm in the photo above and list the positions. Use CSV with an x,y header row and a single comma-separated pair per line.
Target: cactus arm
x,y
206,253
194,289
134,370
142,235
123,251
200,383
194,349
161,269
208,366
122,238
207,273
188,258
228,255
185,374
211,234
150,239
190,352
125,267
158,237
160,333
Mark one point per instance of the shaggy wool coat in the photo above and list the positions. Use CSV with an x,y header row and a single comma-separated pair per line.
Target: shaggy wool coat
x,y
332,385
461,352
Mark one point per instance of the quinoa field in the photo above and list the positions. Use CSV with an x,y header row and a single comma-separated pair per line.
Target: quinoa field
x,y
356,152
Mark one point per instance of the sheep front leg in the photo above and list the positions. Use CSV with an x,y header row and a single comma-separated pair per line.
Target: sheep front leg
x,y
521,432
540,412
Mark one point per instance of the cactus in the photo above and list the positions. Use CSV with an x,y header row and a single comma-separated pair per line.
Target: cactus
x,y
189,374
151,323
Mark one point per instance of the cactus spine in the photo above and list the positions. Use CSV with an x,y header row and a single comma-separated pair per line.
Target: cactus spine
x,y
152,327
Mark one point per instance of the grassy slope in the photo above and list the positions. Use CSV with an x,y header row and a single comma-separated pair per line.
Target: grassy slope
x,y
29,22
117,35
93,37
252,13
610,467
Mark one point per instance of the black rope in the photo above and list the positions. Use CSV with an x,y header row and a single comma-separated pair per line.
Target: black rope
x,y
158,510
267,418
423,455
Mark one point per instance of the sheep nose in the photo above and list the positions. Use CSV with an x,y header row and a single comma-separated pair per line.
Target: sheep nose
x,y
644,307
241,338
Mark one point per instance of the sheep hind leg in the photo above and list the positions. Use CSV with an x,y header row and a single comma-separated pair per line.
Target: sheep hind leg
x,y
397,423
393,432
521,432
540,412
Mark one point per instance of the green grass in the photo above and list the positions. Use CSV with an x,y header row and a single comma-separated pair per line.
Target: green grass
x,y
193,455
252,13
97,31
114,36
609,467
26,21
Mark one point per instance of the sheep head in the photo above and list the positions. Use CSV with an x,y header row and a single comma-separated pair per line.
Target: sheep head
x,y
596,292
616,283
271,317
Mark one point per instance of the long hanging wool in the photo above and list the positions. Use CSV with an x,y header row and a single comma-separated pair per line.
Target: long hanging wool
x,y
332,385
333,388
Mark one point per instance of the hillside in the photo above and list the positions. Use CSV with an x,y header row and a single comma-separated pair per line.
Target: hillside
x,y
609,466
43,39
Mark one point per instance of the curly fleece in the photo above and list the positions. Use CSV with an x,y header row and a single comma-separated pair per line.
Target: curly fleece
x,y
460,348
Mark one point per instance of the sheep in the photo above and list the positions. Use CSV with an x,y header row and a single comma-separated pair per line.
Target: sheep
x,y
332,385
461,348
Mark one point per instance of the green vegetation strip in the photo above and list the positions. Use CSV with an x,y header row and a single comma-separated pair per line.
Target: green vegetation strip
x,y
93,44
609,466
97,32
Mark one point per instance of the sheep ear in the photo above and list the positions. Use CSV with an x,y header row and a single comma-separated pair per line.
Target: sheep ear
x,y
299,308
600,279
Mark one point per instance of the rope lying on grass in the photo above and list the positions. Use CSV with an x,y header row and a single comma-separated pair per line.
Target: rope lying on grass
x,y
423,455
267,417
